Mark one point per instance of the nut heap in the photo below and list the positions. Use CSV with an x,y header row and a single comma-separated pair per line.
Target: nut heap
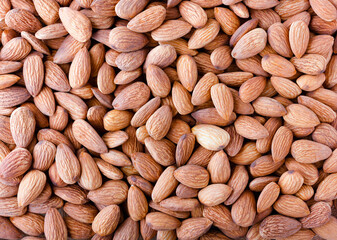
x,y
201,119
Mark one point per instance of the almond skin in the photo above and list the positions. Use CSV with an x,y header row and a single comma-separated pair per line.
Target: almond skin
x,y
91,140
193,14
165,185
106,220
267,197
159,123
223,100
300,116
244,209
133,96
192,176
162,221
16,163
299,38
290,182
276,226
250,44
306,151
54,225
137,204
30,187
124,40
211,137
250,128
67,164
82,30
170,30
148,20
22,123
320,213
193,228
291,206
214,194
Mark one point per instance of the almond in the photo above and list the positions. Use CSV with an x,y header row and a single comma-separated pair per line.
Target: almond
x,y
204,35
211,137
290,182
251,89
278,226
328,230
124,40
133,96
148,20
29,223
16,163
291,206
193,14
158,81
281,143
106,220
193,228
324,9
238,183
187,71
267,197
162,221
82,30
22,123
278,38
299,38
179,204
137,204
300,116
324,190
312,64
244,209
320,213
229,22
306,151
68,166
278,66
250,128
111,192
223,100
22,20
170,30
54,225
250,44
146,166
192,176
214,194
165,185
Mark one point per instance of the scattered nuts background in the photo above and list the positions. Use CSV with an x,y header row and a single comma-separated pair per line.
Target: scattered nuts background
x,y
201,119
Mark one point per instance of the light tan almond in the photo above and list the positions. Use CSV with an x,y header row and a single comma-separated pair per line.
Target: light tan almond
x,y
290,182
223,100
81,31
211,137
54,225
148,20
267,197
22,124
250,44
300,116
281,143
170,30
299,38
30,187
122,39
67,164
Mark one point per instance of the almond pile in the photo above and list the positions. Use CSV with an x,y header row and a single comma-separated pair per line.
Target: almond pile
x,y
200,119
